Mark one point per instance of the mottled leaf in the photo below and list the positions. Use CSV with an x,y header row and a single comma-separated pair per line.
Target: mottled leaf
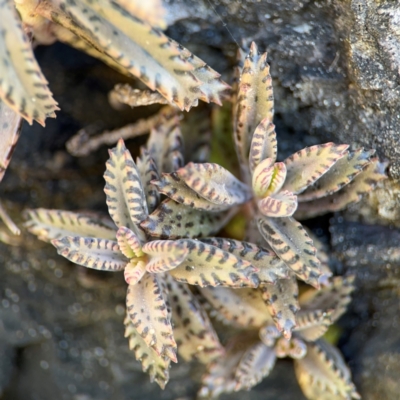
x,y
207,265
164,255
22,84
311,325
148,310
128,243
155,365
172,220
291,243
55,224
282,302
282,204
134,271
323,374
193,331
101,254
262,177
339,175
125,195
309,164
126,94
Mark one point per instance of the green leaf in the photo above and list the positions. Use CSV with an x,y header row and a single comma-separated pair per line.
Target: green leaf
x,y
128,243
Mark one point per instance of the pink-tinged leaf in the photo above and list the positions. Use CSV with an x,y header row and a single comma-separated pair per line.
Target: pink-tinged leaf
x,y
263,144
128,243
243,308
164,255
282,204
155,365
148,173
308,165
311,325
262,177
174,187
172,220
255,364
255,101
134,271
291,243
193,331
269,265
207,265
23,87
215,184
333,298
126,199
282,302
148,310
322,374
294,348
101,254
55,224
350,194
340,174
10,129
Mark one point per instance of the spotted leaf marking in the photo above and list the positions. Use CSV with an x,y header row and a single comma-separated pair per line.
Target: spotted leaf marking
x,y
270,266
148,310
128,243
55,224
308,165
263,144
323,374
255,364
155,365
291,243
148,173
101,254
126,94
134,271
255,101
125,195
143,51
241,307
262,177
193,331
282,204
164,255
282,302
172,220
350,194
175,188
22,85
207,265
10,129
340,174
215,184
334,297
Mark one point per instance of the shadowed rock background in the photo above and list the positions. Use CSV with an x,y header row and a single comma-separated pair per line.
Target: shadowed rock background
x,y
335,68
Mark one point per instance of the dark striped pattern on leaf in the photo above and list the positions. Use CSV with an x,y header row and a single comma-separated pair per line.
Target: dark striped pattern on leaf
x,y
128,243
291,243
175,221
311,325
282,204
134,271
149,312
101,254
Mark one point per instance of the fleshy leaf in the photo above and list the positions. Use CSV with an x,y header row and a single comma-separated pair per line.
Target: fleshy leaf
x,y
323,374
241,307
340,174
101,254
263,144
262,177
282,301
134,272
126,94
10,129
282,204
294,348
125,195
308,165
164,255
291,243
156,366
172,220
193,331
255,364
22,84
128,243
311,325
207,265
148,310
215,184
270,266
55,224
